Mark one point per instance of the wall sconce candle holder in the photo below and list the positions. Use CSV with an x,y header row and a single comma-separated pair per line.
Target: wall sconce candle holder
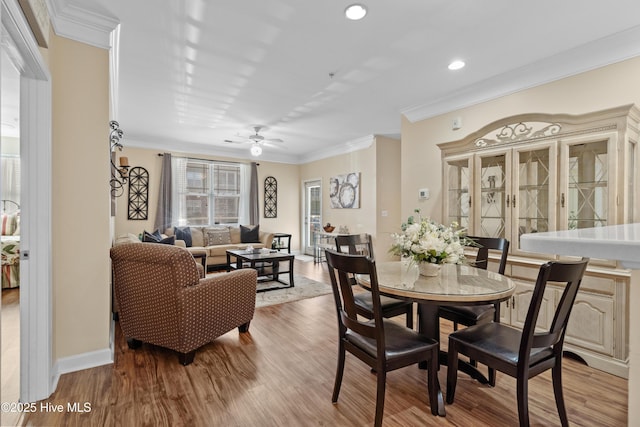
x,y
119,174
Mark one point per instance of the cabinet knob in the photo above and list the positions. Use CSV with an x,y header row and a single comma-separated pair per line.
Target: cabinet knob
x,y
562,200
513,200
507,200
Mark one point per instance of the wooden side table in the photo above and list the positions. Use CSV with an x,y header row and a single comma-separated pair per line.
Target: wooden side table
x,y
277,242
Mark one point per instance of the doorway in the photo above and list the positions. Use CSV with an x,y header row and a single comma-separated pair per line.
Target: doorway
x,y
36,381
10,208
312,214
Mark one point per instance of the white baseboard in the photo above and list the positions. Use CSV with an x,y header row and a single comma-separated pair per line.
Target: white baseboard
x,y
79,362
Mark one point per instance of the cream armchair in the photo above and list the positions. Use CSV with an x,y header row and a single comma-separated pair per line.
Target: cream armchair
x,y
163,301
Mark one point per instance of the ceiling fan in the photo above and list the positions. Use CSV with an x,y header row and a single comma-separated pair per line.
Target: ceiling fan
x,y
256,140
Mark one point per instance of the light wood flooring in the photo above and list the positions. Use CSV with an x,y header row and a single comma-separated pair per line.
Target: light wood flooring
x,y
10,339
281,374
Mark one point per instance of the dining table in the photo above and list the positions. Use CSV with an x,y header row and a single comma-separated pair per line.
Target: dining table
x,y
455,284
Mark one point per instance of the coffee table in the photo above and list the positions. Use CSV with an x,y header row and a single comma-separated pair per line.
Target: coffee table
x,y
261,261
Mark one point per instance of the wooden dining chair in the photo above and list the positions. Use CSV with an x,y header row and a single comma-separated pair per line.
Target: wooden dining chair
x,y
382,344
525,353
361,244
469,315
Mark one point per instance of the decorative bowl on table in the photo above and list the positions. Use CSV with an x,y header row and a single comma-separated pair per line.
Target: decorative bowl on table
x,y
328,228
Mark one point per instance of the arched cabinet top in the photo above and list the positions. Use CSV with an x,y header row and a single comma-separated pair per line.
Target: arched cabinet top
x,y
533,127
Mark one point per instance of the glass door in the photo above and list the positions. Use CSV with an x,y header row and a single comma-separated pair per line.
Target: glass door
x,y
588,185
312,214
458,184
534,193
494,201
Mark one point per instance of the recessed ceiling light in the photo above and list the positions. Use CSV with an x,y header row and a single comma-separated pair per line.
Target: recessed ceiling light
x,y
456,65
355,12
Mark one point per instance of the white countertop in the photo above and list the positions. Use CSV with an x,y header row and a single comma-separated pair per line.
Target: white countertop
x,y
619,242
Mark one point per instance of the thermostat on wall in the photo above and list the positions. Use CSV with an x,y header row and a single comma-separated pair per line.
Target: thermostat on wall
x,y
424,193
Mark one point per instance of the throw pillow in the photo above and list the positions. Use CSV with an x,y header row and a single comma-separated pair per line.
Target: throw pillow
x,y
156,237
250,234
183,233
217,236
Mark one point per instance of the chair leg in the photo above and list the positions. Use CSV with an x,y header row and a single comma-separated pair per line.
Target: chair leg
x,y
492,377
556,373
382,380
410,317
523,401
433,386
244,327
452,371
186,358
133,343
339,372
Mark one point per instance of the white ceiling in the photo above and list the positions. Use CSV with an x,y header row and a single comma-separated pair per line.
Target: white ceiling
x,y
193,73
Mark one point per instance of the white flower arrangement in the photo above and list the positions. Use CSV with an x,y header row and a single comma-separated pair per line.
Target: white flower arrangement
x,y
423,240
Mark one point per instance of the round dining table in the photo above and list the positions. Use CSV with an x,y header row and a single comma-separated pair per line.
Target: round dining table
x,y
454,285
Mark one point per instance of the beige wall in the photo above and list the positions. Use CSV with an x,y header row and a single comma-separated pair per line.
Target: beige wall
x,y
287,220
606,87
360,220
80,201
387,195
379,167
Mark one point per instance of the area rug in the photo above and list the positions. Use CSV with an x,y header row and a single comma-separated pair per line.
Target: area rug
x,y
304,288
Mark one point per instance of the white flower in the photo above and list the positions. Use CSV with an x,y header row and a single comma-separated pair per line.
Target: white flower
x,y
423,240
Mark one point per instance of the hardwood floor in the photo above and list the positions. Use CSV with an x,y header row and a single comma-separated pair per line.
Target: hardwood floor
x,y
281,374
10,339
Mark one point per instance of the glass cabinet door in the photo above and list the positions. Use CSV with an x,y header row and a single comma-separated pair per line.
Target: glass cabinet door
x,y
586,200
534,195
494,201
458,184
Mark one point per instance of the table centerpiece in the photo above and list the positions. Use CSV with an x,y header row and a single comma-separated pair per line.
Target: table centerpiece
x,y
429,244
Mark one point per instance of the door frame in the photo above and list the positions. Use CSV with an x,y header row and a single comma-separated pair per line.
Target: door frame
x,y
304,244
36,382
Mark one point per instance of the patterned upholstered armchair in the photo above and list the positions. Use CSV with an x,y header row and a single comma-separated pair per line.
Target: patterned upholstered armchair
x,y
163,301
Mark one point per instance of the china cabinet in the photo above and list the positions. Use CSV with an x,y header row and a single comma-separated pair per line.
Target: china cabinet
x,y
543,172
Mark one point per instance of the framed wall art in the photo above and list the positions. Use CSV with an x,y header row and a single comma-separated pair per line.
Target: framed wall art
x,y
344,191
138,193
270,197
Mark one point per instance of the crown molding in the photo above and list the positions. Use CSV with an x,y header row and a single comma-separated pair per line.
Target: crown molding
x,y
143,141
347,147
606,51
72,21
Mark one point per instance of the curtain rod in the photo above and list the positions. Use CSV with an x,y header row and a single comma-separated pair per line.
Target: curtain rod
x,y
205,160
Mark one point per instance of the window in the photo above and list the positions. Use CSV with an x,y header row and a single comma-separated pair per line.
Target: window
x,y
208,192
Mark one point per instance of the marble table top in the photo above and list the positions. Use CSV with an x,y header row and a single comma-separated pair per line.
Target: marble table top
x,y
460,284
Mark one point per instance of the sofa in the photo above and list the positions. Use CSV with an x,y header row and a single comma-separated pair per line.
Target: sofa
x,y
163,300
214,241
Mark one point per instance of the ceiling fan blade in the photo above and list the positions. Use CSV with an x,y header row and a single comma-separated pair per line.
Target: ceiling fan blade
x,y
277,140
268,144
230,141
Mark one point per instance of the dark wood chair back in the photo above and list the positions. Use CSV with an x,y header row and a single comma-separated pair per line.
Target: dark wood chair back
x,y
342,270
568,272
362,244
357,244
485,244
